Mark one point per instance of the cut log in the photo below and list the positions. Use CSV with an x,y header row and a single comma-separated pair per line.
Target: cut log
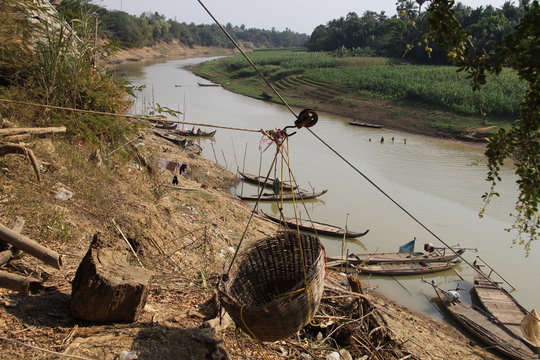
x,y
106,287
22,284
31,247
36,131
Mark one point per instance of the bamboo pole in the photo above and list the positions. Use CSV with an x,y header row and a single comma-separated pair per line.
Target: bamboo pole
x,y
31,247
19,283
36,131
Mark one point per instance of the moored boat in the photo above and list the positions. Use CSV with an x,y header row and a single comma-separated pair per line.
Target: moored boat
x,y
500,304
364,124
314,226
203,84
377,258
197,132
482,326
405,268
298,195
261,180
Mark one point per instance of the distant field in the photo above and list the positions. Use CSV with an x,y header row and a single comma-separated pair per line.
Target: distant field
x,y
439,86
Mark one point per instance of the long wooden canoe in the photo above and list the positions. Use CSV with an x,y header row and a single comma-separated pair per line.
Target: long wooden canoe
x,y
286,196
260,180
166,125
499,303
172,137
203,84
405,268
481,325
184,143
364,124
197,133
314,227
377,258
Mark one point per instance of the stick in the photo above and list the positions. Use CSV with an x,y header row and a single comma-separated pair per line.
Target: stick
x,y
129,244
214,151
45,350
19,283
18,149
31,247
20,131
226,165
243,169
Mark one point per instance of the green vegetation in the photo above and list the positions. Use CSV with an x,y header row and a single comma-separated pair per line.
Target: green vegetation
x,y
516,49
151,28
404,35
437,86
48,62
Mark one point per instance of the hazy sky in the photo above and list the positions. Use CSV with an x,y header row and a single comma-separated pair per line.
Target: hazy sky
x,y
298,15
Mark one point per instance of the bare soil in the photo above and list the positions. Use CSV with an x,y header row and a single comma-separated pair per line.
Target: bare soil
x,y
185,234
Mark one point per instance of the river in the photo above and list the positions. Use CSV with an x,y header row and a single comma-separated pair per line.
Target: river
x,y
439,181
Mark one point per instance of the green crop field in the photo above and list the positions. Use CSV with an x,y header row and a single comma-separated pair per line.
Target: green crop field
x,y
439,86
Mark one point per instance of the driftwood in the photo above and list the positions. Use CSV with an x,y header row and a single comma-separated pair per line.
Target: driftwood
x,y
19,283
31,247
19,149
106,287
35,131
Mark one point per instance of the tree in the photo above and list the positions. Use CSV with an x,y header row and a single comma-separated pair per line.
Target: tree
x,y
518,50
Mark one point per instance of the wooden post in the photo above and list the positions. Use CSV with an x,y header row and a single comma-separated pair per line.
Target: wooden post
x,y
31,247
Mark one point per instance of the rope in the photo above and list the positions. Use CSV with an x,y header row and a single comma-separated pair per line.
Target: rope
x,y
248,59
135,117
394,201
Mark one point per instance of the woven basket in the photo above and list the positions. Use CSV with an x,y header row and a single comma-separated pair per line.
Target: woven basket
x,y
265,292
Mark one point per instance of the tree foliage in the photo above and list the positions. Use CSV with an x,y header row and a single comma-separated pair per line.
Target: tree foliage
x,y
151,28
519,49
403,35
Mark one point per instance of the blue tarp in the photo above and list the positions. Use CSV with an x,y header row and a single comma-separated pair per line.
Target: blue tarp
x,y
408,247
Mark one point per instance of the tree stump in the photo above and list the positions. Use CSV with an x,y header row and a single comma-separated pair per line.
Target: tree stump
x,y
106,287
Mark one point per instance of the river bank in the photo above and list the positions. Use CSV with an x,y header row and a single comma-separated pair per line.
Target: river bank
x,y
185,235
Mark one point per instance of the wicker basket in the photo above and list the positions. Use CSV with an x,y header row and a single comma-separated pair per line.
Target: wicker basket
x,y
265,292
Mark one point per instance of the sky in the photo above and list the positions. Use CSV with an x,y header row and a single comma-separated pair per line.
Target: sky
x,y
297,15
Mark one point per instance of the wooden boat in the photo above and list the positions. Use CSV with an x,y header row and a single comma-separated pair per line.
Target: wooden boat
x,y
172,137
166,125
314,227
364,124
481,325
260,180
500,304
298,195
202,84
200,133
378,258
404,268
189,145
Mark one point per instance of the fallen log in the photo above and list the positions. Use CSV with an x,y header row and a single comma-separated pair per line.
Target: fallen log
x,y
17,138
106,287
31,247
19,149
22,284
35,131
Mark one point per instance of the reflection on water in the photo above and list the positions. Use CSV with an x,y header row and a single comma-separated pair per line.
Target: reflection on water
x,y
433,179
